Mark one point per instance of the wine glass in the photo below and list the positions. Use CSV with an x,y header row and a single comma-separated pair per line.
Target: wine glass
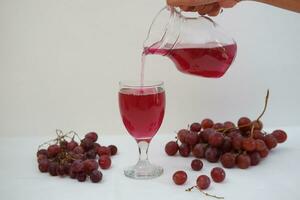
x,y
142,108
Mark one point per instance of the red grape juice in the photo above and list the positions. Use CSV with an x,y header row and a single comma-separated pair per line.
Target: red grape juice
x,y
208,60
142,111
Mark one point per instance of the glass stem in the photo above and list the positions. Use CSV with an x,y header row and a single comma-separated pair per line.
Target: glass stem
x,y
143,150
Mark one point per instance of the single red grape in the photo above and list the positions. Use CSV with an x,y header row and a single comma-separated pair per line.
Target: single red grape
x,y
179,177
244,124
243,161
264,153
77,166
195,127
248,144
257,134
212,154
254,157
53,150
113,149
227,145
260,145
191,138
228,126
104,162
96,176
184,150
181,135
280,136
216,139
87,144
71,145
41,152
228,160
89,165
44,165
196,164
199,150
270,141
218,126
81,177
92,136
237,142
53,168
103,150
171,148
206,133
91,154
200,138
41,157
234,133
207,123
217,174
203,182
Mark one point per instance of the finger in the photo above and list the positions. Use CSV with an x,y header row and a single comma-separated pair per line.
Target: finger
x,y
228,3
184,8
190,2
193,9
203,10
215,11
188,8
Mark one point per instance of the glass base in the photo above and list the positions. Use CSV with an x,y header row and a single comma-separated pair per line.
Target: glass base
x,y
143,170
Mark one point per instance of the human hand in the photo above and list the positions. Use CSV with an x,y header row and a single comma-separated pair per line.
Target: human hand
x,y
203,7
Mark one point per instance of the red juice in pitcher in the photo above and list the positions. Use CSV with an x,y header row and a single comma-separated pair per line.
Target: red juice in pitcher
x,y
142,111
208,60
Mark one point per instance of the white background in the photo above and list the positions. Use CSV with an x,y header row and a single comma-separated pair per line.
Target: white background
x,y
61,60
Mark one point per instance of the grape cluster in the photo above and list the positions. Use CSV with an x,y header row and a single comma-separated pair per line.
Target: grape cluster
x,y
242,145
77,160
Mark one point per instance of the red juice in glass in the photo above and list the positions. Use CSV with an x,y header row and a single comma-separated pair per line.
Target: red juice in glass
x,y
142,111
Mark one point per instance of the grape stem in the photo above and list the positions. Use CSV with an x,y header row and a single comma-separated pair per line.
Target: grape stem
x,y
262,113
176,140
176,137
60,137
205,193
257,120
47,142
74,134
190,189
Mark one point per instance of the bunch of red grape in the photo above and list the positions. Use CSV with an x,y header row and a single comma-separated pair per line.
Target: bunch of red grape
x,y
77,160
242,145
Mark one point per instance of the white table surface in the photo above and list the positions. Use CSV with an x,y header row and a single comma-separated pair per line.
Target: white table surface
x,y
276,177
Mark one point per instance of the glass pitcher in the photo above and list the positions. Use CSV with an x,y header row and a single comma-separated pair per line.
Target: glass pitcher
x,y
196,45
